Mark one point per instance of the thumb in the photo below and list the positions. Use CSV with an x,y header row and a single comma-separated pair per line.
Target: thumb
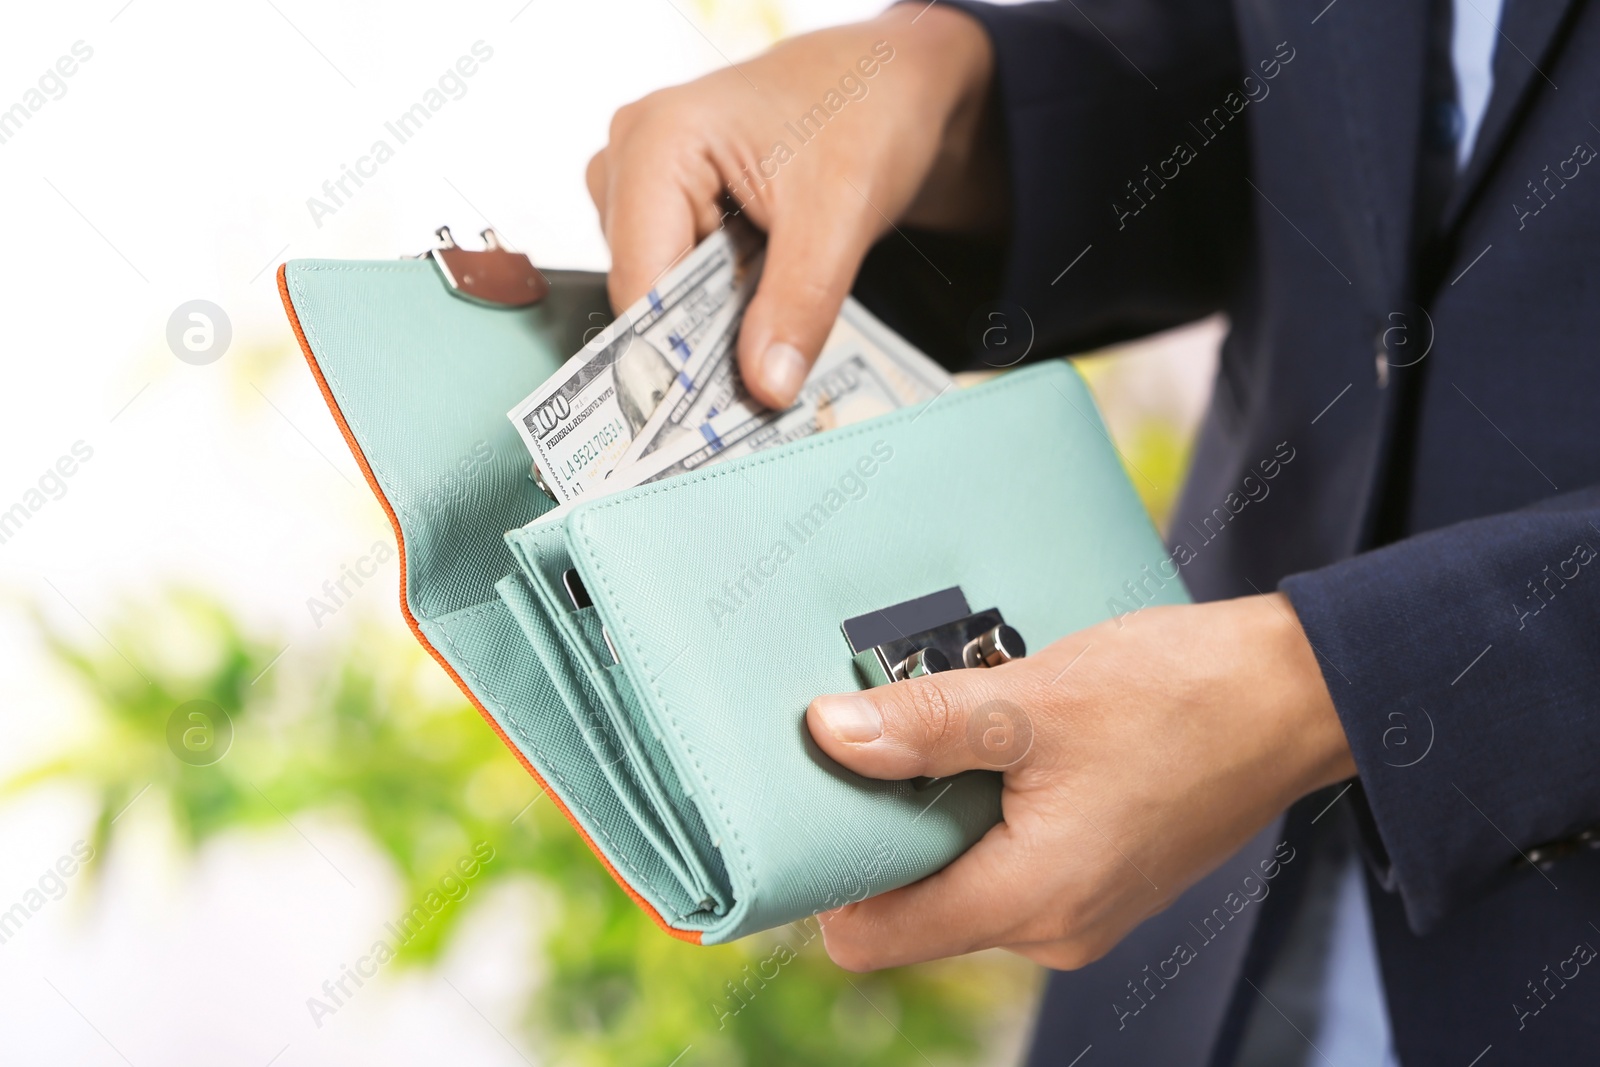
x,y
813,253
935,725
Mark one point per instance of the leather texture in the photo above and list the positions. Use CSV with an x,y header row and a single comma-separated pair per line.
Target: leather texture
x,y
687,765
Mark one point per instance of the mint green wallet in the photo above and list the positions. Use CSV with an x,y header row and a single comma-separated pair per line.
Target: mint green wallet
x,y
650,655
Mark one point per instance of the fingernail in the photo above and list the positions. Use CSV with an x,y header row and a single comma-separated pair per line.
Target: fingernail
x,y
783,371
850,718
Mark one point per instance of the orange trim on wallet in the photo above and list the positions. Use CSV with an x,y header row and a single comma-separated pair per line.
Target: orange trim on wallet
x,y
692,936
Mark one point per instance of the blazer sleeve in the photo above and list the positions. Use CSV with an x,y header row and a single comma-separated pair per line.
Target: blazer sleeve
x,y
1465,667
1110,236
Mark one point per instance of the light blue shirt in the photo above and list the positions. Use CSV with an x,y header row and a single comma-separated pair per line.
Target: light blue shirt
x,y
1330,946
1472,41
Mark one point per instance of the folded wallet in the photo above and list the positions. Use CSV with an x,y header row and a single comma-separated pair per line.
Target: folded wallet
x,y
649,655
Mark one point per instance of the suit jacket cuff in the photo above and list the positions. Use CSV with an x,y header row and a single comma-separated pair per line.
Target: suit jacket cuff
x,y
1463,666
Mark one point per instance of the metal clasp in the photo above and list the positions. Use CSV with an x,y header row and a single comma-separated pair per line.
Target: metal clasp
x,y
927,635
496,275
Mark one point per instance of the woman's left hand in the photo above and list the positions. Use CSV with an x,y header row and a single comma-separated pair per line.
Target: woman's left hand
x,y
1138,755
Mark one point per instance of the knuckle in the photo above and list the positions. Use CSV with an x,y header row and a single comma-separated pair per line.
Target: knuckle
x,y
850,956
1071,928
933,710
618,296
1062,922
1066,921
845,947
799,282
668,106
625,118
594,176
810,291
1085,951
1068,955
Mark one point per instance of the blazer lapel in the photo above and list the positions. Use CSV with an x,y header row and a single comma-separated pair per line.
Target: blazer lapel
x,y
1531,32
1375,47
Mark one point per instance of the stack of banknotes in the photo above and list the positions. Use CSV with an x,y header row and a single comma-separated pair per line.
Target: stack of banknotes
x,y
657,392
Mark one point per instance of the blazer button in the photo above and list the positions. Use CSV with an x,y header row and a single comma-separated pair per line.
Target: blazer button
x,y
1380,360
1546,855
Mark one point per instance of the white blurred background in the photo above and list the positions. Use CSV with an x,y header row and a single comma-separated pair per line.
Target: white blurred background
x,y
176,165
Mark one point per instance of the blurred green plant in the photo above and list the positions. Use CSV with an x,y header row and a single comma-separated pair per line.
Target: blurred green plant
x,y
367,729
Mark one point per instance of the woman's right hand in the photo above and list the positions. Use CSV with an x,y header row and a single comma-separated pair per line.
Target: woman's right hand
x,y
903,140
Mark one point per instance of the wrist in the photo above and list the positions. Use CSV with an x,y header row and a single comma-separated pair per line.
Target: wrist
x,y
950,63
949,51
1315,734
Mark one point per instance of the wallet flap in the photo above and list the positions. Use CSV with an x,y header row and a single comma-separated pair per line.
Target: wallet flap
x,y
418,381
423,380
724,592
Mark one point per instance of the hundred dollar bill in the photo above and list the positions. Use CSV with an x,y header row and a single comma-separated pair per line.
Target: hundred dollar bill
x,y
864,370
719,398
696,393
578,424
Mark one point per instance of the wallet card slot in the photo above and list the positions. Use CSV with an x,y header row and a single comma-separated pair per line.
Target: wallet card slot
x,y
544,562
575,686
518,694
719,898
645,754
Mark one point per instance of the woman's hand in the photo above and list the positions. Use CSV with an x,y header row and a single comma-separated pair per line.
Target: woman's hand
x,y
1139,754
822,142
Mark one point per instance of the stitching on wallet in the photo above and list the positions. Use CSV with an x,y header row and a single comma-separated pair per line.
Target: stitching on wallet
x,y
573,796
466,612
400,267
823,440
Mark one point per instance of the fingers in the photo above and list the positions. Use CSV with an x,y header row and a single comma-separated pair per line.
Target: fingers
x,y
659,188
656,201
594,179
814,249
971,904
935,725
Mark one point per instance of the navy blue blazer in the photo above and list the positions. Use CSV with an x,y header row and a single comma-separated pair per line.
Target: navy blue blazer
x,y
1438,525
